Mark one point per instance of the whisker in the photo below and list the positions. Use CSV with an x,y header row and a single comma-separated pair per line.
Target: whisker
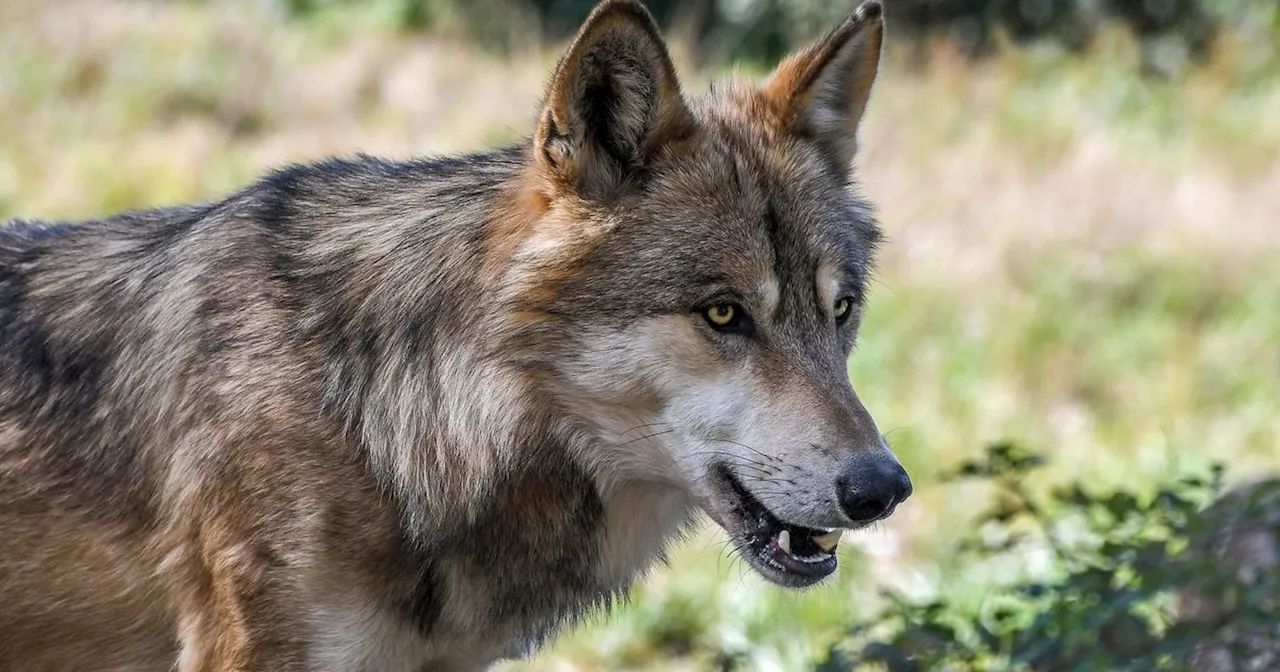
x,y
650,424
748,465
728,454
743,445
647,436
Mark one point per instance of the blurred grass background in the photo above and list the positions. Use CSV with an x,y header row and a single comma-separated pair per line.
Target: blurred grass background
x,y
1083,212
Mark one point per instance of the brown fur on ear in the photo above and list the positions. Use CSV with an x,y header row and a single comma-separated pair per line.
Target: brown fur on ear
x,y
822,90
614,100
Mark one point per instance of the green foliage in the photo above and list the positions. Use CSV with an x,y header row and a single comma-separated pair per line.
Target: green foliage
x,y
1125,567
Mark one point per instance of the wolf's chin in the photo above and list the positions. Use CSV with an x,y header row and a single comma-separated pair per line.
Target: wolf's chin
x,y
792,556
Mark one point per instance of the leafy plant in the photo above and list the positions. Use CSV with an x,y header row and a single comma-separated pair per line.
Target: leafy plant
x,y
1137,582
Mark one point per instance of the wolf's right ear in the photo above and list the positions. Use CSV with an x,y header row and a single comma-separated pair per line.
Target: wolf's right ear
x,y
614,101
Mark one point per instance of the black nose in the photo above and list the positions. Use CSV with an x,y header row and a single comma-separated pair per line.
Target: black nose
x,y
870,488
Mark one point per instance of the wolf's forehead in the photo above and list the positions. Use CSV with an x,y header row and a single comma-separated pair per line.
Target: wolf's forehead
x,y
778,193
739,224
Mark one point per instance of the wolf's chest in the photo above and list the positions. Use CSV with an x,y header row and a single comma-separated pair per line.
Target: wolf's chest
x,y
518,579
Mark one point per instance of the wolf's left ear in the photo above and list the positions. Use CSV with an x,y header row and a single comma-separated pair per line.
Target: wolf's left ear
x,y
822,90
614,101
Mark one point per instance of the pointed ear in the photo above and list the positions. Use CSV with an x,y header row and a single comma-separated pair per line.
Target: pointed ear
x,y
614,101
822,90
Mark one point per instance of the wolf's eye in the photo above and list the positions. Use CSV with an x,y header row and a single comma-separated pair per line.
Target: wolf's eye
x,y
843,308
728,317
722,314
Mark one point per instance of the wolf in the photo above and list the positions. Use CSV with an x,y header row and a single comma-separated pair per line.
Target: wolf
x,y
374,415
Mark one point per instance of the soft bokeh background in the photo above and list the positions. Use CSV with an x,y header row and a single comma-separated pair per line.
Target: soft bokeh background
x,y
1082,201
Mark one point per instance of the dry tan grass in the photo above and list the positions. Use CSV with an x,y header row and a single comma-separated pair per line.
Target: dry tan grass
x,y
203,98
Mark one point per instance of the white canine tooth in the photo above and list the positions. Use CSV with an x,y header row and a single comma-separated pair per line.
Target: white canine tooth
x,y
829,541
784,541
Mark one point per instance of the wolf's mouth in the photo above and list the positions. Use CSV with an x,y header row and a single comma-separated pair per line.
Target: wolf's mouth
x,y
790,555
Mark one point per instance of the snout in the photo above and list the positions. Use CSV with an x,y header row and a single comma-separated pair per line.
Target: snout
x,y
782,533
870,487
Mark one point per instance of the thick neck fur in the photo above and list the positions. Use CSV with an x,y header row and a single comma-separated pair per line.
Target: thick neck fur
x,y
435,368
396,297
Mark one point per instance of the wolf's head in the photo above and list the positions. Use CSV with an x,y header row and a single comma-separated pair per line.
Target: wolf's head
x,y
704,264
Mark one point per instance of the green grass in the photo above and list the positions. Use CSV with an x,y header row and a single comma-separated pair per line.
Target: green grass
x,y
1078,260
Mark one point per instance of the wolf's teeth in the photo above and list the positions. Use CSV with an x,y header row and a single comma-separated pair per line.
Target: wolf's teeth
x,y
829,541
784,541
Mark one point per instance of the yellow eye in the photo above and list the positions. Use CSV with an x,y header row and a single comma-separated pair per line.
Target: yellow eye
x,y
721,314
843,307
